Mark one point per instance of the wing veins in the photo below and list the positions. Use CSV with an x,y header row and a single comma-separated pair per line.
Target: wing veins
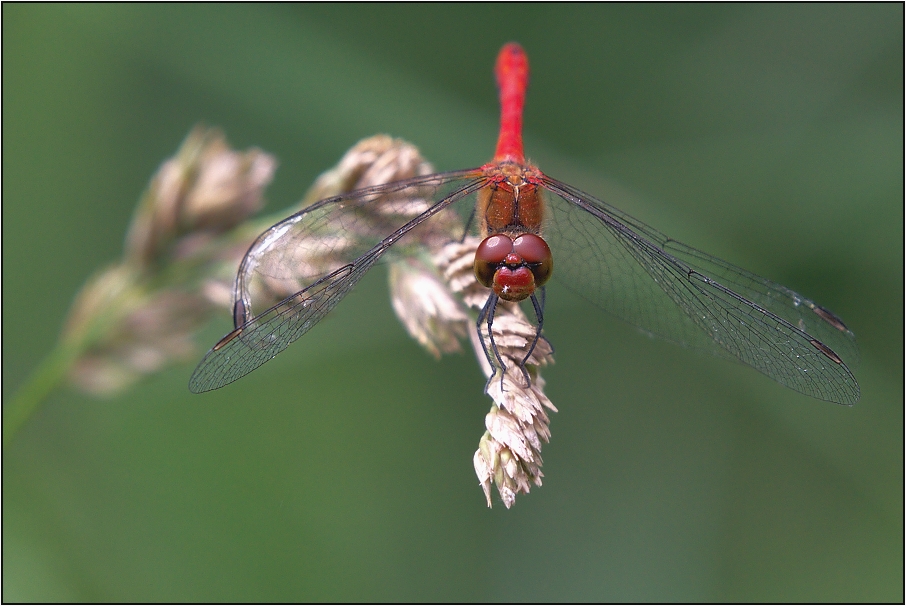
x,y
215,369
800,361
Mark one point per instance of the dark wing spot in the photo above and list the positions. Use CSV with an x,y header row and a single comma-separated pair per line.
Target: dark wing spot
x,y
830,318
827,351
240,314
232,335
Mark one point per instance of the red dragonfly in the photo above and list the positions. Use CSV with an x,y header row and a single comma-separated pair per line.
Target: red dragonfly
x,y
299,269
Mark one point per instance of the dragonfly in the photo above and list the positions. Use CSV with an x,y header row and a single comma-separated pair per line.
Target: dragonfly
x,y
528,223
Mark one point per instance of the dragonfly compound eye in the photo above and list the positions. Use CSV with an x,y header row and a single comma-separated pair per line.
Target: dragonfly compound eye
x,y
489,255
537,255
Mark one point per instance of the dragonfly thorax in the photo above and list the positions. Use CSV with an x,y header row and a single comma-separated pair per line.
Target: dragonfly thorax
x,y
511,202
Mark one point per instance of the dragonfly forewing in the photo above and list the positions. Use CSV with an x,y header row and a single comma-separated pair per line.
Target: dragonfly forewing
x,y
299,269
684,295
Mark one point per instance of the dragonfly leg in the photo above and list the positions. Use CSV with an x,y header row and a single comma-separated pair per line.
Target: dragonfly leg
x,y
486,317
539,315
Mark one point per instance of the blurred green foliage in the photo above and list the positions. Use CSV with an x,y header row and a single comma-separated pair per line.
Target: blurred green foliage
x,y
769,135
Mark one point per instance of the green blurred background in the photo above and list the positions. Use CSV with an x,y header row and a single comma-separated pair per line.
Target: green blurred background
x,y
769,135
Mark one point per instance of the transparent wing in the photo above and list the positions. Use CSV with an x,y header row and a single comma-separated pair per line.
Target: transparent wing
x,y
299,269
684,295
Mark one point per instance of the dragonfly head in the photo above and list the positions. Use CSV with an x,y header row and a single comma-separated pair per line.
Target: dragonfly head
x,y
513,266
